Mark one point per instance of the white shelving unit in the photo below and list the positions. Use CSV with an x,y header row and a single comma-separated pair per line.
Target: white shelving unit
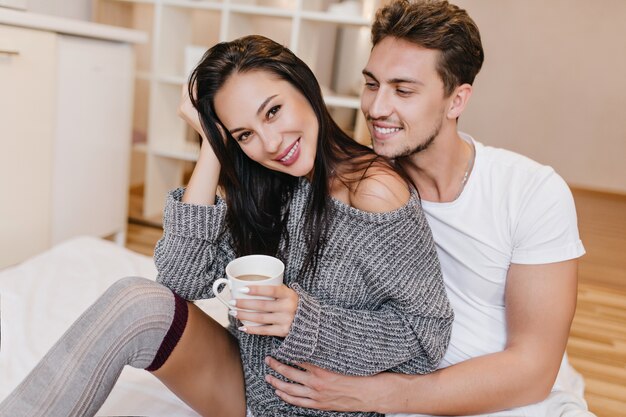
x,y
331,36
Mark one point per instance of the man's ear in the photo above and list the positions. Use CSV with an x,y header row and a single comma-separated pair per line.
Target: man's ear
x,y
458,100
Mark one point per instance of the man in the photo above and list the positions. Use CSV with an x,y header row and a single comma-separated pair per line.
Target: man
x,y
505,229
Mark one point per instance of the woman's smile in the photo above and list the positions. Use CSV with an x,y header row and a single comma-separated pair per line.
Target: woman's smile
x,y
290,155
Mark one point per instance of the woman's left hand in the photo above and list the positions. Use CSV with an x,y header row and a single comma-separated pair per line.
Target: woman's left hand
x,y
275,316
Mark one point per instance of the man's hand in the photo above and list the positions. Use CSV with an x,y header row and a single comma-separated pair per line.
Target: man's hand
x,y
321,389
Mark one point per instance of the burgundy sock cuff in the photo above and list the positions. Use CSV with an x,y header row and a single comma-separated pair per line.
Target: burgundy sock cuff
x,y
173,335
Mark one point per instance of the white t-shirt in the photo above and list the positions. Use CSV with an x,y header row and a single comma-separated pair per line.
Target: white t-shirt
x,y
512,210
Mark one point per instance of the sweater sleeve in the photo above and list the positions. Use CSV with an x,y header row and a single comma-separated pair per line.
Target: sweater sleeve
x,y
408,333
195,247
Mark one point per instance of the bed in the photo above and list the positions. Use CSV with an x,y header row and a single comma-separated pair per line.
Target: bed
x,y
42,296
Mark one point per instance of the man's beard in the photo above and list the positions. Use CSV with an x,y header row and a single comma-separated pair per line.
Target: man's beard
x,y
420,147
417,149
407,152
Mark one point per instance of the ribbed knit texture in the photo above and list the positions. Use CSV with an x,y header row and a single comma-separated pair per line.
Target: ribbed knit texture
x,y
173,335
125,326
377,301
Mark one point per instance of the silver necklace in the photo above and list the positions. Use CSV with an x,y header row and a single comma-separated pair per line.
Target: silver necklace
x,y
468,169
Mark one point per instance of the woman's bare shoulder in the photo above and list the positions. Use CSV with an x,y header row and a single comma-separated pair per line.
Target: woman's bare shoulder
x,y
380,190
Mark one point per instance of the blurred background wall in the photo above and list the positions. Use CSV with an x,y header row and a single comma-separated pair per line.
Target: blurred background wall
x,y
552,86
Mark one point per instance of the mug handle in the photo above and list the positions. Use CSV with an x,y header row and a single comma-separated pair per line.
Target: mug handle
x,y
216,286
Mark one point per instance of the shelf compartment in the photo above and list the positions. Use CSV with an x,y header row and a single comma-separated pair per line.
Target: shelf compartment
x,y
181,27
171,79
174,154
143,75
265,6
335,18
131,15
261,11
191,4
344,117
361,9
335,53
315,45
140,111
350,102
167,131
352,52
151,2
273,27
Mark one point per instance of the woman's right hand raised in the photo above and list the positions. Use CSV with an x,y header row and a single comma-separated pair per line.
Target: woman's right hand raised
x,y
188,112
202,185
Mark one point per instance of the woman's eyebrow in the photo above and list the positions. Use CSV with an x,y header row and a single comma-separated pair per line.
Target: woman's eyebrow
x,y
261,107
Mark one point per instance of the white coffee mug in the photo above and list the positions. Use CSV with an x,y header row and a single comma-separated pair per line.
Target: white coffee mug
x,y
248,271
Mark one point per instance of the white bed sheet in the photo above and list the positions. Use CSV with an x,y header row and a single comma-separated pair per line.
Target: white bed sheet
x,y
41,297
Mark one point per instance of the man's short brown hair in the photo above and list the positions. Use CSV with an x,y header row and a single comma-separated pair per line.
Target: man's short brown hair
x,y
439,25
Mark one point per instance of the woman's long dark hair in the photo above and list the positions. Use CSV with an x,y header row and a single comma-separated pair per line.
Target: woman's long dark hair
x,y
257,197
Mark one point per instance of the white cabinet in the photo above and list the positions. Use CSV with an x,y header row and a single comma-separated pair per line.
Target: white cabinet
x,y
27,98
65,137
332,37
90,172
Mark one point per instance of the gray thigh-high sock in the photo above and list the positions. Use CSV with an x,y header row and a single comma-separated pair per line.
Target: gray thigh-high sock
x,y
135,322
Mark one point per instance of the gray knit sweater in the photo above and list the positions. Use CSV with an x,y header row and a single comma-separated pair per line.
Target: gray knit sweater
x,y
377,301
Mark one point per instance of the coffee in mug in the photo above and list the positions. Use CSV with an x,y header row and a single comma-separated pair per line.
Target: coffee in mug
x,y
249,270
252,277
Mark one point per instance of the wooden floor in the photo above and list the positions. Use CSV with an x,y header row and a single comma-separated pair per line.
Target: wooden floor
x,y
597,345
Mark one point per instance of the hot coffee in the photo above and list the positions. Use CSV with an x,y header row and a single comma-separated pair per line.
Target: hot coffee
x,y
252,277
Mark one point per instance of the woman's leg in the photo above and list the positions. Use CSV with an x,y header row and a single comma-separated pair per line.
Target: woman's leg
x,y
205,368
135,322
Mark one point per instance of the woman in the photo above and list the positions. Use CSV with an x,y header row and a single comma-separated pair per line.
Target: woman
x,y
363,291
